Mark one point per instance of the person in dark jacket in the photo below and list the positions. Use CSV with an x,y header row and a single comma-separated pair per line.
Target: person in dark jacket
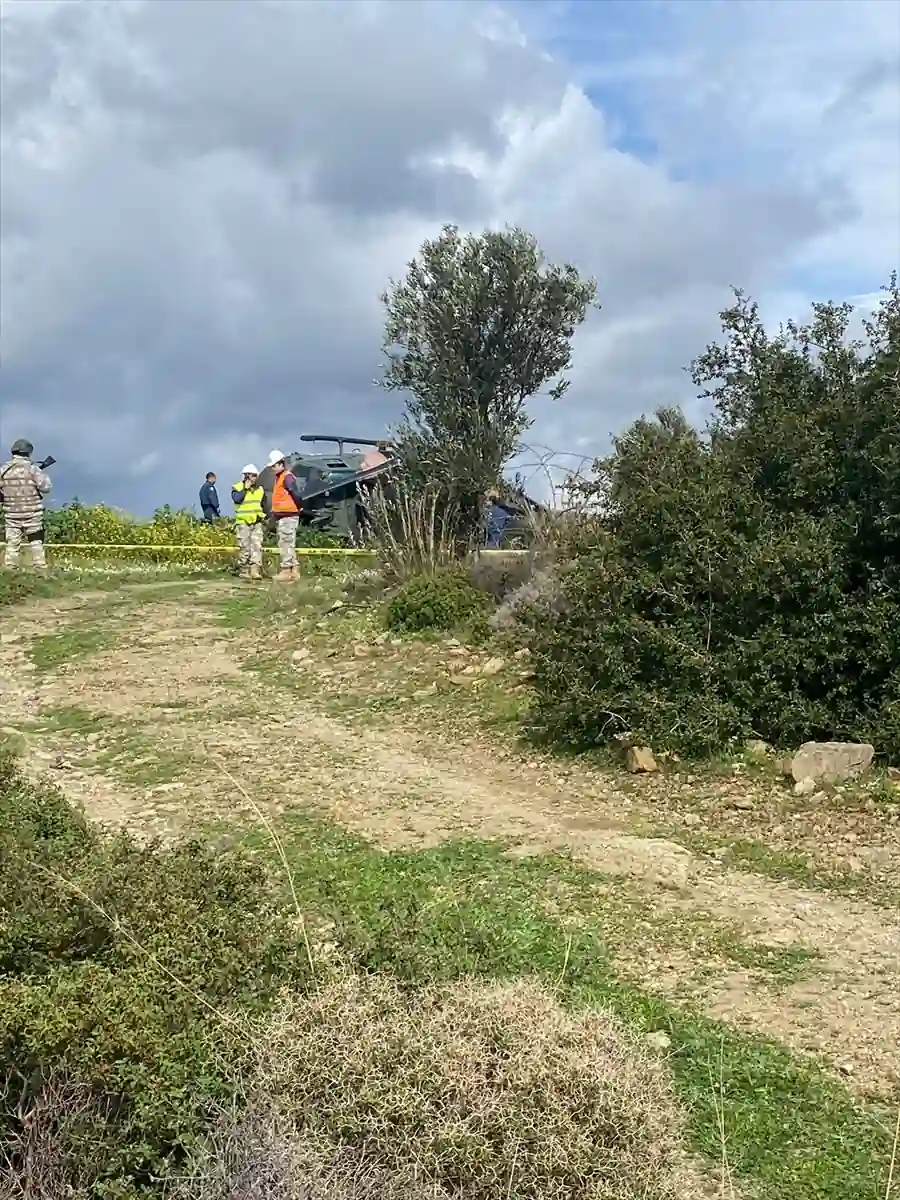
x,y
498,518
209,499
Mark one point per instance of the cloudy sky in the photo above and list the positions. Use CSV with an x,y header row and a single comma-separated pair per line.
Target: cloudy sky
x,y
201,200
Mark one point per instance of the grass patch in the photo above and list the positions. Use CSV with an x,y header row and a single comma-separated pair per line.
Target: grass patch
x,y
749,854
70,718
123,749
354,668
781,965
51,651
140,760
17,586
263,605
467,909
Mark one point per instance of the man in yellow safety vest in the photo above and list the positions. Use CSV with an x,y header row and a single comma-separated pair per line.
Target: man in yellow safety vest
x,y
248,521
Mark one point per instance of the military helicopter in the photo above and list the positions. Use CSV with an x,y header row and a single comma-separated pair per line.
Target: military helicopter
x,y
335,488
335,485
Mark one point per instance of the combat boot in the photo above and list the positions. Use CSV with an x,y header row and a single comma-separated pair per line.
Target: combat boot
x,y
285,575
244,573
255,573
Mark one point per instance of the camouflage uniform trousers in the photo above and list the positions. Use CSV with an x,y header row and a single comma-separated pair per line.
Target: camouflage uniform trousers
x,y
30,532
287,541
250,543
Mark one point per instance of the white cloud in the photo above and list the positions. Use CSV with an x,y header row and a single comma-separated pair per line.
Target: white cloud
x,y
201,202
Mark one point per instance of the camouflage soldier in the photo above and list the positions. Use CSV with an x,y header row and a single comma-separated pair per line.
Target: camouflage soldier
x,y
248,521
23,486
287,502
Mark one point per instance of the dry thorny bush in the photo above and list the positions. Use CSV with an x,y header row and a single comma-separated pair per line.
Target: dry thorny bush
x,y
414,528
365,1092
36,1164
485,1090
258,1155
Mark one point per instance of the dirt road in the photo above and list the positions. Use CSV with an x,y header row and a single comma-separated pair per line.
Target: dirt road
x,y
146,707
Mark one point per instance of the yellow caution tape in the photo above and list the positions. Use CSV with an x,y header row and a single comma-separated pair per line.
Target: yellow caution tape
x,y
51,546
334,550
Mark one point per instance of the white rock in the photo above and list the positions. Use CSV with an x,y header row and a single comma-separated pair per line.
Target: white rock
x,y
493,666
805,787
828,762
640,760
658,1040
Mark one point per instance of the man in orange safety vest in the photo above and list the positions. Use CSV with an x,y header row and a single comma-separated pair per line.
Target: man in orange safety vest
x,y
287,504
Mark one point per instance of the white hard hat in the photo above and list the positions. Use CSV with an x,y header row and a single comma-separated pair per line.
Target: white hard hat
x,y
275,456
250,469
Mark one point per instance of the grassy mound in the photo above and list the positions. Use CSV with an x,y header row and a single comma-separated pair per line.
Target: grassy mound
x,y
128,973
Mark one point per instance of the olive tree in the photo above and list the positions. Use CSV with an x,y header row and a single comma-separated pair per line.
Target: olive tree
x,y
478,325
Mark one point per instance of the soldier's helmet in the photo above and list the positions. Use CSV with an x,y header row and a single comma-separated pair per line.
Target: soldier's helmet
x,y
22,447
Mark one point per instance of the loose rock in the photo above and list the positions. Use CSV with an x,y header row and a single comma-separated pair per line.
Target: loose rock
x,y
464,680
805,787
758,748
827,762
658,1040
493,666
640,761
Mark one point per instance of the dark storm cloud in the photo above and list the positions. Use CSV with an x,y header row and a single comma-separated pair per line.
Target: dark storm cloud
x,y
202,200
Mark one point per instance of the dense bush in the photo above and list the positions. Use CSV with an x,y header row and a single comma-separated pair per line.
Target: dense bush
x,y
78,523
441,600
142,1054
257,1154
128,972
748,583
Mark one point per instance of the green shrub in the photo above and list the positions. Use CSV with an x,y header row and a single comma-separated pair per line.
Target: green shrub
x,y
439,601
748,581
127,971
